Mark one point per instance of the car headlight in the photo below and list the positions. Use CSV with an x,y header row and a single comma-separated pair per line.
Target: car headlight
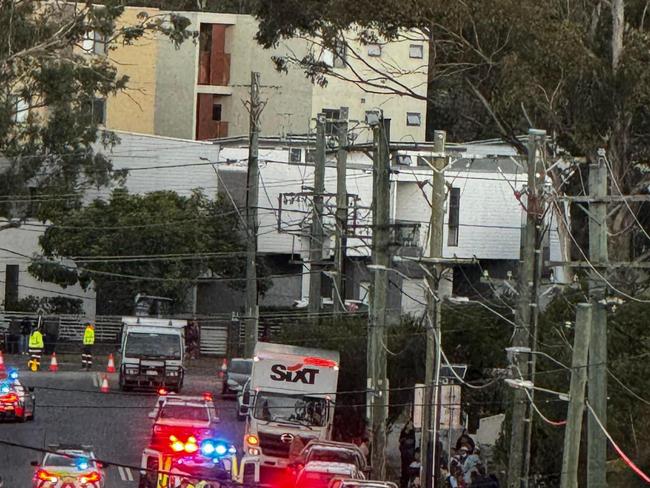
x,y
132,370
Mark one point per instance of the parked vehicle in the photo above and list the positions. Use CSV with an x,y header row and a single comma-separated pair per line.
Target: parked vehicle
x,y
318,474
16,401
292,395
242,409
152,353
72,466
238,373
351,483
337,452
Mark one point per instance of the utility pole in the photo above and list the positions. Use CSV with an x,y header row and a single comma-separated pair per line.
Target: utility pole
x,y
317,234
526,312
573,431
598,255
377,378
338,297
430,417
252,192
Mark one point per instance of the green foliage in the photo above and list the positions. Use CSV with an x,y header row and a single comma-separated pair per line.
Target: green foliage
x,y
49,305
78,247
48,149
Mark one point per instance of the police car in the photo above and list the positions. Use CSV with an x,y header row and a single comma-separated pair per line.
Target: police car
x,y
16,401
71,466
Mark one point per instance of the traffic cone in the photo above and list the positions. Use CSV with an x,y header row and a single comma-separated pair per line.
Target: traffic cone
x,y
224,368
54,365
111,364
104,388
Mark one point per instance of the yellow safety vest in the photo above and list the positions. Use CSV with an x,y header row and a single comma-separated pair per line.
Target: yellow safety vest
x,y
89,336
36,340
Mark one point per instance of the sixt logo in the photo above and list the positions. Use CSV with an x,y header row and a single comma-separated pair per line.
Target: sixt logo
x,y
294,374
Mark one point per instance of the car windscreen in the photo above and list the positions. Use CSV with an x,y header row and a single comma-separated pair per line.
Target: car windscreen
x,y
152,345
184,412
241,367
58,461
332,456
301,410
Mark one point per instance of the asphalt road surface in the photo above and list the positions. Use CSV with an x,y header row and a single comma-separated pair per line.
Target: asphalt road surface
x,y
70,409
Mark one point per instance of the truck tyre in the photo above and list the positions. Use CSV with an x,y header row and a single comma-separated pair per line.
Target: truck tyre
x,y
122,384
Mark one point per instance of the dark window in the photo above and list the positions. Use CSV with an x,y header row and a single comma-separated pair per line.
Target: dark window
x,y
310,156
413,119
12,273
99,111
216,111
454,217
295,155
332,116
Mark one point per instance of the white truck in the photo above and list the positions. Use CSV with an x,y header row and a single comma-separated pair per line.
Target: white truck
x,y
152,353
292,395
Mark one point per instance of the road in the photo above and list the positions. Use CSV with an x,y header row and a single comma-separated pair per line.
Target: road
x,y
70,409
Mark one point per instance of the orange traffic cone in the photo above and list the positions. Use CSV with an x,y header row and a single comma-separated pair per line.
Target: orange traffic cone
x,y
104,388
224,368
54,365
111,364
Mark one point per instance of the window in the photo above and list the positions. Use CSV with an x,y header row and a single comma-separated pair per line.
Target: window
x,y
20,108
374,50
310,156
94,42
416,51
340,55
413,119
454,215
216,112
99,111
332,116
295,155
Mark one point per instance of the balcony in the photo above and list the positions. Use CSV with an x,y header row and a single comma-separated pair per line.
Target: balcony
x,y
214,68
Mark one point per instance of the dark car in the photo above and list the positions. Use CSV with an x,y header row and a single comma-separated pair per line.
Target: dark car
x,y
238,372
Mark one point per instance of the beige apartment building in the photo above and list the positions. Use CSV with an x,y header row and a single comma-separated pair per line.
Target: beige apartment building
x,y
197,91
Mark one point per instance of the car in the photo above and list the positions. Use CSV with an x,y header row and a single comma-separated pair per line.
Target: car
x,y
178,418
16,401
243,398
336,452
237,373
318,474
352,483
71,466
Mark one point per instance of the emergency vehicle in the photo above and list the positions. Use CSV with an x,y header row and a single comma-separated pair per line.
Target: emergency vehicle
x,y
16,401
185,445
70,466
152,353
291,399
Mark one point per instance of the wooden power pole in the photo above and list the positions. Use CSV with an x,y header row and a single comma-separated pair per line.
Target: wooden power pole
x,y
338,297
430,417
573,431
252,192
317,233
526,311
598,255
377,377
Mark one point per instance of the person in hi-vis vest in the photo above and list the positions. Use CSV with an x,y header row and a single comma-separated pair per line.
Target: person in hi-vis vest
x,y
87,351
36,345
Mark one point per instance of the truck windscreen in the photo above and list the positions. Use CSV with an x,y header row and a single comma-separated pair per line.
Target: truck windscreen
x,y
150,345
301,410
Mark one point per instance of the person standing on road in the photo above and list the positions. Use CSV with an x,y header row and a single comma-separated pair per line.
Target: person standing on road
x,y
407,450
87,351
35,349
25,331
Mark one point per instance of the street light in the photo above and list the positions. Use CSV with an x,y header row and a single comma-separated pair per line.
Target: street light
x,y
529,385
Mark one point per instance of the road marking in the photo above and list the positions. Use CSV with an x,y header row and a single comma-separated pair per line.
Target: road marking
x,y
125,473
129,474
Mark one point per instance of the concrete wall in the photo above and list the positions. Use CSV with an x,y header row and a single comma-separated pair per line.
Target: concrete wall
x,y
133,109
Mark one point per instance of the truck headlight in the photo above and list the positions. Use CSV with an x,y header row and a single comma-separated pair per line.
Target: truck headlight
x,y
172,372
252,451
132,370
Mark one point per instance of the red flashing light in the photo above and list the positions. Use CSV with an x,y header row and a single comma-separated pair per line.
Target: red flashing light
x,y
207,396
9,398
322,362
252,440
90,477
163,391
43,475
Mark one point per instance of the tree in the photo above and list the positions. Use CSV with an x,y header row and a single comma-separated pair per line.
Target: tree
x,y
159,244
579,69
51,85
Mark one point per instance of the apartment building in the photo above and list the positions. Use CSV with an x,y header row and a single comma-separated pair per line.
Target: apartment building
x,y
197,91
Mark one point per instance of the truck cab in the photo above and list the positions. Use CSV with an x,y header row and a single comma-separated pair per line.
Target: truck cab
x,y
290,400
152,353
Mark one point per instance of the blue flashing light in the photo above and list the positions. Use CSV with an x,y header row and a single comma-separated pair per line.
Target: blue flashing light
x,y
214,449
13,374
208,448
82,464
221,449
5,388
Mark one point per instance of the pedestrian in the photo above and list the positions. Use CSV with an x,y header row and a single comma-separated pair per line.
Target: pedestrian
x,y
406,450
448,479
51,334
13,337
87,351
36,346
415,470
192,336
470,465
25,331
